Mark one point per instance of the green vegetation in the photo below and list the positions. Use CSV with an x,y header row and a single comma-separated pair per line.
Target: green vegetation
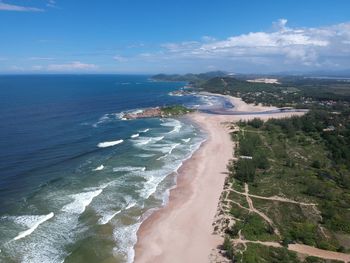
x,y
256,253
318,260
175,110
250,146
227,246
292,92
195,79
303,160
253,227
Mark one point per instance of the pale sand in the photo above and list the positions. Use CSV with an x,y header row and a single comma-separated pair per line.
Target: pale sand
x,y
240,105
182,230
325,254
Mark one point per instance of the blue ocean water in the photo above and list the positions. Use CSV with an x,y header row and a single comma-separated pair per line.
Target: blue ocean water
x,y
76,180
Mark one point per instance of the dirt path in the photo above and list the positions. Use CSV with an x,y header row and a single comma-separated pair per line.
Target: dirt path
x,y
253,209
298,248
275,198
316,252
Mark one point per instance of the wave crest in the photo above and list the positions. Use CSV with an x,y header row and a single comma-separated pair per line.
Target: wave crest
x,y
109,144
31,221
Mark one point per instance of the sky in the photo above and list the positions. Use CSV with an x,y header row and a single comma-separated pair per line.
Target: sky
x,y
173,36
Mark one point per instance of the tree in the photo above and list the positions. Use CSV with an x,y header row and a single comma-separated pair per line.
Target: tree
x,y
245,170
260,160
256,123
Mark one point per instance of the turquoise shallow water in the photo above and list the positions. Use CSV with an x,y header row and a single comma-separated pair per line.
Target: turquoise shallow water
x,y
77,181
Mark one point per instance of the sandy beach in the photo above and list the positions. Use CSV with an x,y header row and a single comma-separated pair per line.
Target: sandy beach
x,y
240,105
182,230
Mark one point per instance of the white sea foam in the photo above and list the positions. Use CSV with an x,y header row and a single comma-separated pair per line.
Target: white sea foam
x,y
145,130
108,118
81,201
173,123
165,148
173,147
99,168
129,169
150,186
32,222
109,144
162,157
135,135
130,205
103,119
156,139
106,218
126,235
186,140
141,141
145,155
136,111
126,238
176,129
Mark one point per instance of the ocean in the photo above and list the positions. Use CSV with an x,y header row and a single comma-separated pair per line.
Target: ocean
x,y
76,181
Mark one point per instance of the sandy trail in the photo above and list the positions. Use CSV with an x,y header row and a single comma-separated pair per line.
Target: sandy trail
x,y
299,248
274,198
316,252
254,210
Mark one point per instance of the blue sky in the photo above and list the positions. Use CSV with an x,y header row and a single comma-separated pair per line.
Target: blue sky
x,y
139,36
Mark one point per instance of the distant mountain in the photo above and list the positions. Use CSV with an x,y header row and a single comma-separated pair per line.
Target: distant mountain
x,y
189,77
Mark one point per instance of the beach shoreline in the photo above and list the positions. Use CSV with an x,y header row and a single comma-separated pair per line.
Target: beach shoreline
x,y
182,230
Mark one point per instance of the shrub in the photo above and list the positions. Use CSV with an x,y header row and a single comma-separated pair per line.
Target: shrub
x,y
256,123
245,170
227,246
316,164
260,160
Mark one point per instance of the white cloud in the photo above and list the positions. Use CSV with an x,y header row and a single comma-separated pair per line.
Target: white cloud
x,y
306,47
73,66
18,8
181,47
120,58
280,24
37,68
16,68
41,58
208,39
51,3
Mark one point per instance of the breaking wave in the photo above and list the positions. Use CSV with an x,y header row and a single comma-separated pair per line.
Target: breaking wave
x,y
109,144
32,222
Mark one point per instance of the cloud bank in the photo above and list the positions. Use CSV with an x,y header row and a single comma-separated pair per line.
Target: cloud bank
x,y
73,66
281,48
18,8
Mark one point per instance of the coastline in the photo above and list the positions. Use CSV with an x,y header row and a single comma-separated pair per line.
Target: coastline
x,y
182,230
240,105
185,223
